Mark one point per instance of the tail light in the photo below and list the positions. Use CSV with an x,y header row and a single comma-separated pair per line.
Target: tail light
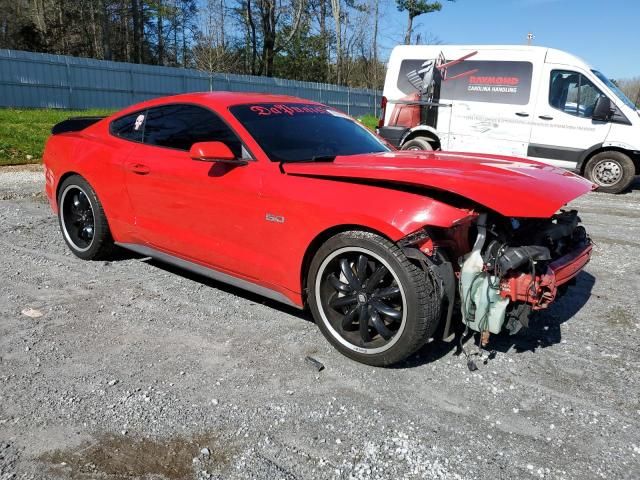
x,y
383,111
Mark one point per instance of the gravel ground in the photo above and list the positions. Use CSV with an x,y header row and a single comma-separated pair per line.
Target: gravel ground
x,y
135,369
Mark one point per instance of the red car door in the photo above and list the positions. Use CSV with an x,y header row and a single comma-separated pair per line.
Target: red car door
x,y
203,211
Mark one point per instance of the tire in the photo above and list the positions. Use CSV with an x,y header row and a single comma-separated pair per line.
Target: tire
x,y
82,220
400,306
612,171
417,143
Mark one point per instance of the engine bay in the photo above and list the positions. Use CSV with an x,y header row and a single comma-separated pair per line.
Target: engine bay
x,y
517,266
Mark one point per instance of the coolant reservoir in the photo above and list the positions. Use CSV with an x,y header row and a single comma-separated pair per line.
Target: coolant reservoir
x,y
484,309
482,306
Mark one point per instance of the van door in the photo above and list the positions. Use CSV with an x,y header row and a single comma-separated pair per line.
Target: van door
x,y
492,106
563,128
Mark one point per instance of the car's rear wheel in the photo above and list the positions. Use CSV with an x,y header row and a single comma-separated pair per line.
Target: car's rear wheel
x,y
82,220
612,171
369,300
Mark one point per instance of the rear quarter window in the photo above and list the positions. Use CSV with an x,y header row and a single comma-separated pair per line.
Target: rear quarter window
x,y
129,127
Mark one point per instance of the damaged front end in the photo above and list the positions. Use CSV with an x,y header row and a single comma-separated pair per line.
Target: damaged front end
x,y
506,268
519,265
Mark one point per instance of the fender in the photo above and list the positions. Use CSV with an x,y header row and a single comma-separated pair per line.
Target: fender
x,y
634,153
624,146
99,163
419,128
586,154
338,202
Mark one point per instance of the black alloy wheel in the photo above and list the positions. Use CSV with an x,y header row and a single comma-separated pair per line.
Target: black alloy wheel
x,y
78,221
369,300
362,299
82,220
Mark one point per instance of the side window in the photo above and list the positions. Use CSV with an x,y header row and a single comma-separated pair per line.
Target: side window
x,y
129,127
573,93
180,126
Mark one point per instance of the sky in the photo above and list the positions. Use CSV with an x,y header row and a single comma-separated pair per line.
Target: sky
x,y
605,33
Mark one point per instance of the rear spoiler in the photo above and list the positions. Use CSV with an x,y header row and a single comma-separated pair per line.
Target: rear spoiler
x,y
74,124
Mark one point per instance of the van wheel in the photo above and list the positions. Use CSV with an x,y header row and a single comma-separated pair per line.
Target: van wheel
x,y
612,171
417,143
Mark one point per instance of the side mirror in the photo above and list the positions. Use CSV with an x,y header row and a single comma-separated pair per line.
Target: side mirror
x,y
214,152
602,110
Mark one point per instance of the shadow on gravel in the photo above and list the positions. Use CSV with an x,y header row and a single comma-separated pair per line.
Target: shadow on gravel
x,y
635,185
123,254
124,456
544,328
238,292
120,254
545,325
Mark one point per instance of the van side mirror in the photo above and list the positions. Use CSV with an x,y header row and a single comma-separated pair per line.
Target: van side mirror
x,y
602,110
214,152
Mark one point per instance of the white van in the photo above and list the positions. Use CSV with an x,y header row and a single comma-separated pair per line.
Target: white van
x,y
534,102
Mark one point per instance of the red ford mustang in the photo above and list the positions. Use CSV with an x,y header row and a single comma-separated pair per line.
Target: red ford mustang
x,y
300,203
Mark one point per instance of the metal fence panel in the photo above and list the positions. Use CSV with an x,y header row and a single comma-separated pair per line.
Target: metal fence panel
x,y
32,80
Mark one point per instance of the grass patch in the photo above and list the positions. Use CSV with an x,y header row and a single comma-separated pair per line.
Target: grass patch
x,y
23,132
369,121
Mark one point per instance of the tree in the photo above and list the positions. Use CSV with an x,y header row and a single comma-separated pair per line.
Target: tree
x,y
631,88
212,52
269,26
274,39
336,6
137,44
334,41
319,13
160,32
415,8
374,44
303,57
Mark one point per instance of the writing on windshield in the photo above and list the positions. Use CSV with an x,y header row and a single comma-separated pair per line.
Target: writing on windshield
x,y
282,109
297,132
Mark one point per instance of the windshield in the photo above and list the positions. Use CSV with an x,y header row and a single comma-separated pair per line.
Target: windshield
x,y
298,132
614,89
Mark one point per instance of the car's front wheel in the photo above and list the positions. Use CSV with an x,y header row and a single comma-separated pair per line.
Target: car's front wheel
x,y
82,220
372,303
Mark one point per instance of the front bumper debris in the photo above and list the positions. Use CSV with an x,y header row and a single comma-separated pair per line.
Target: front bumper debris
x,y
539,290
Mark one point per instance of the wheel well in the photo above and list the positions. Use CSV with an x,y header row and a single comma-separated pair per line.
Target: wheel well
x,y
317,242
431,137
62,179
635,157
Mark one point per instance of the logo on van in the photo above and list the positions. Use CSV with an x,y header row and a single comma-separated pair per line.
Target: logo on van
x,y
493,80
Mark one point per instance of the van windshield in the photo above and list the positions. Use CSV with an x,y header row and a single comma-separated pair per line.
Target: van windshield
x,y
298,132
614,88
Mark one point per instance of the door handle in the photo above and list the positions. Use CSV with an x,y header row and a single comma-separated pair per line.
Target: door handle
x,y
139,169
522,114
545,117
